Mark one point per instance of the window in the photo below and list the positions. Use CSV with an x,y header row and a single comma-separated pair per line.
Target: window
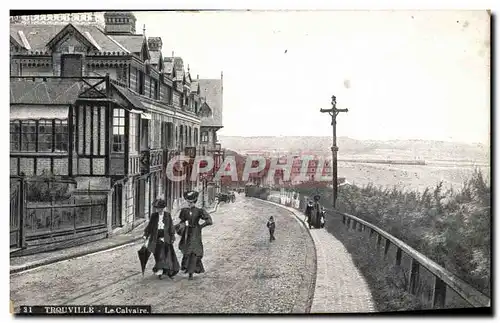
x,y
170,132
139,87
134,132
118,130
71,65
155,90
122,74
196,107
15,129
52,135
204,136
168,95
181,136
45,135
28,135
61,135
196,136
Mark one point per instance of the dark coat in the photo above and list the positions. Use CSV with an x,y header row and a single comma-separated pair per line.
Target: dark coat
x,y
191,239
151,230
271,225
309,210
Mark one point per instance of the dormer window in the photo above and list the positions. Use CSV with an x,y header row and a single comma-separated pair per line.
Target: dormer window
x,y
71,65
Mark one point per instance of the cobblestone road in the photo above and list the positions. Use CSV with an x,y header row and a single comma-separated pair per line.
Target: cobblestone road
x,y
244,272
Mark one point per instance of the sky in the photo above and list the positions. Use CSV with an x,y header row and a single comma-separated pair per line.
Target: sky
x,y
401,74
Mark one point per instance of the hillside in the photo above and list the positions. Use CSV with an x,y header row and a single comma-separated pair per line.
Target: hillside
x,y
352,148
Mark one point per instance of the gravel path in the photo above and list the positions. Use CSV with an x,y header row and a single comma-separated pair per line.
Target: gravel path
x,y
245,273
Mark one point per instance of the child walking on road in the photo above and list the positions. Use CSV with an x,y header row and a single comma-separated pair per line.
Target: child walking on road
x,y
271,225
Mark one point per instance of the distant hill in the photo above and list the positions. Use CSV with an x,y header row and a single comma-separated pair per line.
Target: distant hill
x,y
352,148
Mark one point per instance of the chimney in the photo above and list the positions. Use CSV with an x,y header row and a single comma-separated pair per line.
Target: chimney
x,y
119,23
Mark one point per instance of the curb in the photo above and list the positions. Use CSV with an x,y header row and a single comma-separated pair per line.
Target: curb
x,y
313,287
50,261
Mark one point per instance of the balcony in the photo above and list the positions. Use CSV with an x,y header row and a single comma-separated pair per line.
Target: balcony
x,y
150,160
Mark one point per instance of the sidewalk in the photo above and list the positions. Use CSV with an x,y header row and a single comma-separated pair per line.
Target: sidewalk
x,y
340,287
18,264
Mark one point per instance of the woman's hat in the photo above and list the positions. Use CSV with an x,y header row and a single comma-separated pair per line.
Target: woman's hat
x,y
191,196
310,203
316,197
159,204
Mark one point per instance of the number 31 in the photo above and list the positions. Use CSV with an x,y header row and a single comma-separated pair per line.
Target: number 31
x,y
26,309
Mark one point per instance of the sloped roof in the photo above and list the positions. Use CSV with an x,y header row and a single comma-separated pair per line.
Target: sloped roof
x,y
129,96
194,86
169,65
179,75
38,36
133,43
51,91
212,91
87,38
14,36
155,56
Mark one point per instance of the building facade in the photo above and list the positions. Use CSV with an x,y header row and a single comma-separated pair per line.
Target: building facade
x,y
211,121
99,105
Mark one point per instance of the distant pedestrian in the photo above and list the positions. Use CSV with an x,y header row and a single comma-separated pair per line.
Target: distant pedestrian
x,y
323,217
271,225
309,210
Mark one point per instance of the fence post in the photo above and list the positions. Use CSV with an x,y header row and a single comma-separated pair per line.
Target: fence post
x,y
414,269
379,241
386,247
91,213
23,205
52,215
74,215
398,257
438,293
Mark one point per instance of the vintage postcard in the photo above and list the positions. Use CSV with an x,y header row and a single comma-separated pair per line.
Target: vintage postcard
x,y
250,162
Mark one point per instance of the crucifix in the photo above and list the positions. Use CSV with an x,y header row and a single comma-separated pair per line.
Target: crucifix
x,y
333,112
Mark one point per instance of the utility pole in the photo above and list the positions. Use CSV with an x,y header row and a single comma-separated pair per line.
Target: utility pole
x,y
333,112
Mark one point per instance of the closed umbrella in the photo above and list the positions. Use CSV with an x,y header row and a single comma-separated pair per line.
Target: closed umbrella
x,y
143,254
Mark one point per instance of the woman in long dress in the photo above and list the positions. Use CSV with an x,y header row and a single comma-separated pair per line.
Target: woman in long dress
x,y
309,210
161,234
191,244
316,213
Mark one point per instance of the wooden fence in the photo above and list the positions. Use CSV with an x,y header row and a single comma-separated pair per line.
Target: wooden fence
x,y
435,286
61,223
64,217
